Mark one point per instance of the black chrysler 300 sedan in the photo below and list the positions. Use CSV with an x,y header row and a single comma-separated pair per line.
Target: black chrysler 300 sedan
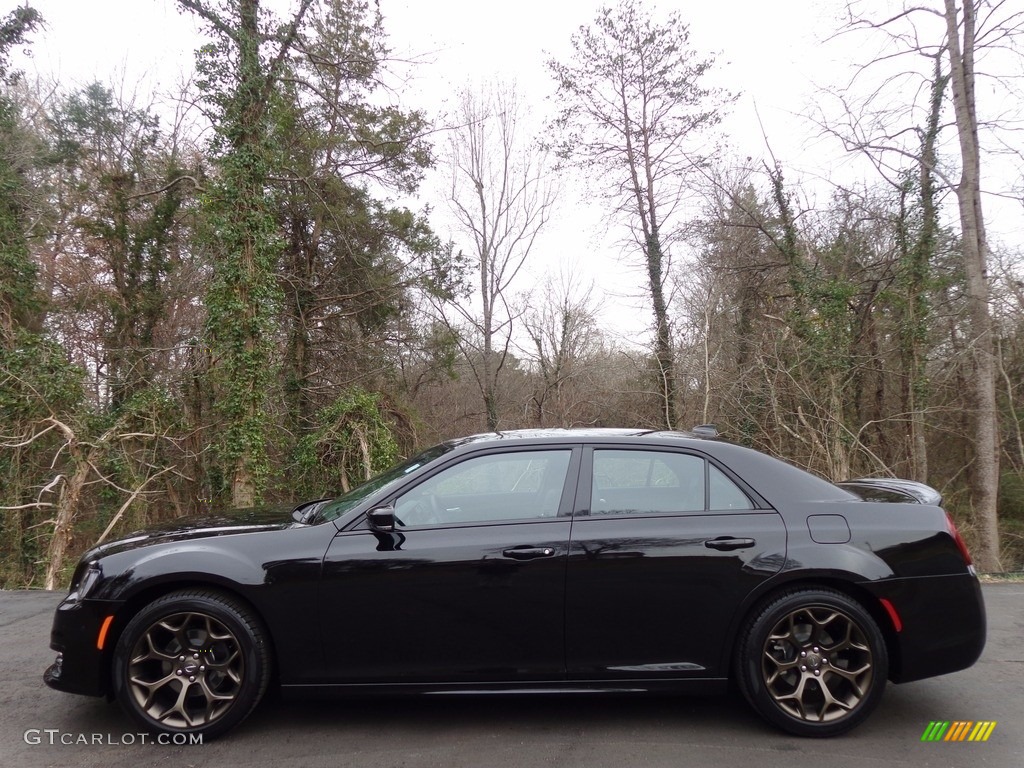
x,y
611,560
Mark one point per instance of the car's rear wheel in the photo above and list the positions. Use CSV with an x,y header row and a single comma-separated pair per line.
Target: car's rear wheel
x,y
813,662
193,662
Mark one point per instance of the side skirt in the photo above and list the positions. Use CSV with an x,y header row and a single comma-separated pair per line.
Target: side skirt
x,y
689,686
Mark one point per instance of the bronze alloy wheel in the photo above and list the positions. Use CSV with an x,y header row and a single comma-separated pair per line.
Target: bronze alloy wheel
x,y
191,662
186,670
813,662
817,664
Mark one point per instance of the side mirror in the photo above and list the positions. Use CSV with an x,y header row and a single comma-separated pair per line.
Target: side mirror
x,y
382,519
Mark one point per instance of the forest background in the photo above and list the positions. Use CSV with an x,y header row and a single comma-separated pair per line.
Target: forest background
x,y
292,276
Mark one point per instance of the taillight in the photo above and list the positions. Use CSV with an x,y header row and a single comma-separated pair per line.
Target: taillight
x,y
958,539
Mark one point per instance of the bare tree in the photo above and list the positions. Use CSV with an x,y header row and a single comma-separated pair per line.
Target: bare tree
x,y
955,32
564,337
64,491
502,195
633,102
1008,295
962,39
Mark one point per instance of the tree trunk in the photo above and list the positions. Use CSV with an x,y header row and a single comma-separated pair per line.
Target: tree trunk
x,y
663,331
489,393
299,301
921,255
67,508
968,192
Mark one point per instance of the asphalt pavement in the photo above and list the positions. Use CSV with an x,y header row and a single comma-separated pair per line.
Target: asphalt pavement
x,y
40,727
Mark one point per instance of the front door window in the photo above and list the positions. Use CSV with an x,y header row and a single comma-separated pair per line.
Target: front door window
x,y
499,486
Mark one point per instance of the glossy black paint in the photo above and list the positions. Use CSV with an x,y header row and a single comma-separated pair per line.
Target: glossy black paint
x,y
636,588
619,601
892,490
75,629
446,605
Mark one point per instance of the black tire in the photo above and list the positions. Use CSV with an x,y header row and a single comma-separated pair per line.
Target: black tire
x,y
812,662
191,662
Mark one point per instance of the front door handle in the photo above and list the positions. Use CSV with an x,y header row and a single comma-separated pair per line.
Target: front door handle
x,y
728,543
529,553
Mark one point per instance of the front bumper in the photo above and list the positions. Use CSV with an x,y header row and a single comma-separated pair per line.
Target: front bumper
x,y
81,666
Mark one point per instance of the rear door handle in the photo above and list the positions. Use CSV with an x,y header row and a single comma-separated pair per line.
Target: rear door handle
x,y
727,543
529,553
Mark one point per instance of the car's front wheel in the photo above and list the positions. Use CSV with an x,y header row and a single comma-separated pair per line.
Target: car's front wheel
x,y
191,662
813,662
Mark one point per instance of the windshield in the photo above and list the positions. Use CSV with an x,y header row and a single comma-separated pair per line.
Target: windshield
x,y
348,501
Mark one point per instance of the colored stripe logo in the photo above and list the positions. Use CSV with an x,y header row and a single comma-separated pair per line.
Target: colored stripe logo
x,y
958,730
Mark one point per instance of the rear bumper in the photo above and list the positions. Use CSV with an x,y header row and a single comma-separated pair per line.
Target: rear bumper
x,y
944,624
80,666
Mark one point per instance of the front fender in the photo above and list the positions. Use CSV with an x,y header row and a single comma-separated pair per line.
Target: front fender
x,y
275,573
199,563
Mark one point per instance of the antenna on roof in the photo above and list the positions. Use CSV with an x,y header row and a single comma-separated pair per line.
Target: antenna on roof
x,y
705,430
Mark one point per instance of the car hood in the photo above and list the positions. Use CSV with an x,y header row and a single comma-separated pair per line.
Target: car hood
x,y
219,523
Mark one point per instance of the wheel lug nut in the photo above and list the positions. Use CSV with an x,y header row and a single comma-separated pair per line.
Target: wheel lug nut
x,y
803,668
816,649
803,654
817,672
195,655
202,668
181,658
191,679
179,672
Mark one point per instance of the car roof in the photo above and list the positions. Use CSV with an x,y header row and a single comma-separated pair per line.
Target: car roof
x,y
775,480
556,434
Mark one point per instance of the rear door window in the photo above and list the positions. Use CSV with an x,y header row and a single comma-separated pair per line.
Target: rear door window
x,y
641,482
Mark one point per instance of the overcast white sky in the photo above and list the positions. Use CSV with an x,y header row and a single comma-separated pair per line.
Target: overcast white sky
x,y
771,51
767,50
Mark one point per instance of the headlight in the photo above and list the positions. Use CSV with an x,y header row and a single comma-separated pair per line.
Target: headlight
x,y
85,578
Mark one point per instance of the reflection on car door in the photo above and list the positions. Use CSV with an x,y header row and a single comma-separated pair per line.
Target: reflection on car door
x,y
452,600
654,577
